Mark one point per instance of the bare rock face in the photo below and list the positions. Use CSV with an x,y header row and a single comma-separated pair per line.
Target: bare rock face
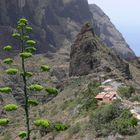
x,y
54,21
89,55
58,21
109,34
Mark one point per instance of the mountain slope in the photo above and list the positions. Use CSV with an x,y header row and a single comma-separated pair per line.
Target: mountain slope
x,y
109,34
89,55
57,22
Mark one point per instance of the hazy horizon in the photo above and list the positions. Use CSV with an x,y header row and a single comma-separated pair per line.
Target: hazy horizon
x,y
124,16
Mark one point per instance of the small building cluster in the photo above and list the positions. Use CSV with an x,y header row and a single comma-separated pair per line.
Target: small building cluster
x,y
108,94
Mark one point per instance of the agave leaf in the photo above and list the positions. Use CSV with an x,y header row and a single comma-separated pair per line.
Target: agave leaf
x,y
22,134
51,90
30,49
36,87
30,42
45,68
12,71
42,123
8,61
4,121
8,48
5,90
25,55
10,107
33,102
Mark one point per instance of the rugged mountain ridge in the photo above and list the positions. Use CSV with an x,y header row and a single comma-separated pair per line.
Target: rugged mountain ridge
x,y
109,34
57,22
88,55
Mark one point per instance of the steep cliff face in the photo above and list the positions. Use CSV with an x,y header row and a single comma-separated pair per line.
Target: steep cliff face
x,y
55,22
109,34
89,55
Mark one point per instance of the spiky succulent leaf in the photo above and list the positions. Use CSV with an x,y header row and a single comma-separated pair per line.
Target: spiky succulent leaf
x,y
33,102
10,107
28,29
30,49
27,74
16,35
51,90
8,48
30,42
36,87
5,90
42,123
60,126
45,68
25,55
4,121
22,134
25,38
8,61
12,71
23,20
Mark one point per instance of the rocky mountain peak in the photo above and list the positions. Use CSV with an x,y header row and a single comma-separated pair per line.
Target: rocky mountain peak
x,y
109,35
88,55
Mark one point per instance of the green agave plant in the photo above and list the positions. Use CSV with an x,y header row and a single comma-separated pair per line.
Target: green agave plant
x,y
51,90
8,48
42,123
5,90
45,68
28,29
12,71
4,121
36,87
22,134
30,42
60,126
16,35
30,49
27,74
10,107
25,38
8,61
26,50
25,55
33,102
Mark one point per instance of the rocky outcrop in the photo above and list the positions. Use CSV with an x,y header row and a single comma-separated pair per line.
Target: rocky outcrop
x,y
109,34
89,55
57,22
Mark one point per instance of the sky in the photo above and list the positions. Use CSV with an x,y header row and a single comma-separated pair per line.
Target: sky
x,y
125,15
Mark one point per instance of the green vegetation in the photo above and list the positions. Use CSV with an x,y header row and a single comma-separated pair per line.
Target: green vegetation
x,y
42,123
36,87
45,68
22,134
26,51
89,102
12,71
60,127
126,92
6,90
113,118
8,48
4,121
10,107
8,61
52,90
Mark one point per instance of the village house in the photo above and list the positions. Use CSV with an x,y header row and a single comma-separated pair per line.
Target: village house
x,y
106,97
